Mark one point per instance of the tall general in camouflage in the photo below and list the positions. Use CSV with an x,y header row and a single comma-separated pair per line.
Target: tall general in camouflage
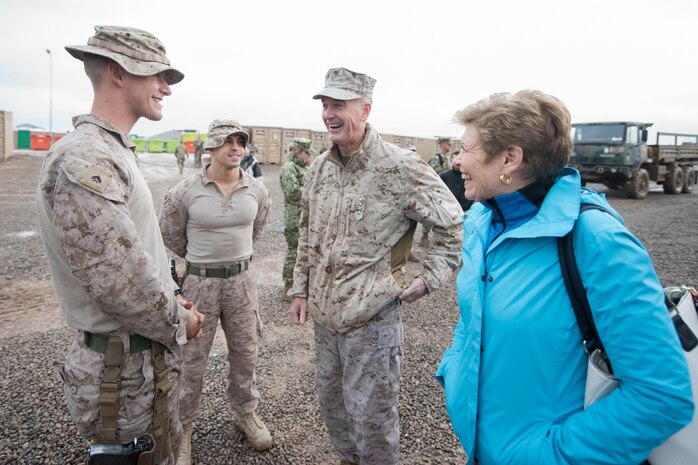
x,y
292,179
361,203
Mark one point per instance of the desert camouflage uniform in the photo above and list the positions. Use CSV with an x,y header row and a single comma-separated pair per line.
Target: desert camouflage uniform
x,y
357,223
110,272
231,300
181,154
292,179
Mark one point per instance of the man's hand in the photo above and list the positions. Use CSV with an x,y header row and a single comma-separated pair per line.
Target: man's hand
x,y
195,321
299,310
417,289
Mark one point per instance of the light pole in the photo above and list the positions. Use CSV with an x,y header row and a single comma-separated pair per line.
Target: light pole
x,y
50,106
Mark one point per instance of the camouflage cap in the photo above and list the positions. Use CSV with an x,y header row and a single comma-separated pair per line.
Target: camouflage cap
x,y
301,143
220,129
138,52
441,140
343,84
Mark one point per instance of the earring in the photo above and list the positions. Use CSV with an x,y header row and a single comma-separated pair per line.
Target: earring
x,y
505,179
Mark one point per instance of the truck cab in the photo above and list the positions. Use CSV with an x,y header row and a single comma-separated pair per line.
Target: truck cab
x,y
608,153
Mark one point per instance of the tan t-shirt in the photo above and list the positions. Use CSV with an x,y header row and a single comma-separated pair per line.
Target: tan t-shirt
x,y
207,228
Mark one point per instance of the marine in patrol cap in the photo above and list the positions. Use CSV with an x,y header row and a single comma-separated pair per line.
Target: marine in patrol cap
x,y
343,84
301,143
138,52
220,129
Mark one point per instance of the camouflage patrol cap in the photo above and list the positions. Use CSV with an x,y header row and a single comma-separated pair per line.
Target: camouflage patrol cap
x,y
441,140
138,52
301,143
343,84
220,129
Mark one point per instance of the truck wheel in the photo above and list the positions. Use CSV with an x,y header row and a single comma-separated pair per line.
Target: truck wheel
x,y
689,179
638,186
673,183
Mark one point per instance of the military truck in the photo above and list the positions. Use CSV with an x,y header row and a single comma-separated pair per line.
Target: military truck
x,y
618,156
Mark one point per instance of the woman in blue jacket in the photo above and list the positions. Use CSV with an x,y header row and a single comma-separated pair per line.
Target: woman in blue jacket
x,y
515,373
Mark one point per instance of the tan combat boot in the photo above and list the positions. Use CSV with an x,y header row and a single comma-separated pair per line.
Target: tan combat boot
x,y
185,450
257,433
286,297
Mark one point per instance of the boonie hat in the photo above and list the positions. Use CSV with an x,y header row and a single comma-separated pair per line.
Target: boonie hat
x,y
138,52
343,84
301,143
220,129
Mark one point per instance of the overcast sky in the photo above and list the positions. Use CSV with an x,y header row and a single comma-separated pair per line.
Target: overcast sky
x,y
260,61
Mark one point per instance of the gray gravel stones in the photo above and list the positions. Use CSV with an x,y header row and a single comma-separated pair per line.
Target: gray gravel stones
x,y
36,429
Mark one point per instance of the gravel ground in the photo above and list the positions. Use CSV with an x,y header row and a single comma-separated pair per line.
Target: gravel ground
x,y
36,428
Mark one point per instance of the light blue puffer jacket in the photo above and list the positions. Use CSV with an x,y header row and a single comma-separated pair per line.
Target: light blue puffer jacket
x,y
514,375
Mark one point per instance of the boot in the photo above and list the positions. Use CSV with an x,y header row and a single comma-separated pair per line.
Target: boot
x,y
286,297
185,450
257,433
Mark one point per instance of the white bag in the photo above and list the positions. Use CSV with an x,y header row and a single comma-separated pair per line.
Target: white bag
x,y
682,447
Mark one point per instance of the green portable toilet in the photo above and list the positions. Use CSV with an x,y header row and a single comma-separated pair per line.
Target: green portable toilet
x,y
156,145
172,145
140,144
24,139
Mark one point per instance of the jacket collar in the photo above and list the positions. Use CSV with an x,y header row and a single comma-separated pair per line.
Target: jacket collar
x,y
358,158
106,125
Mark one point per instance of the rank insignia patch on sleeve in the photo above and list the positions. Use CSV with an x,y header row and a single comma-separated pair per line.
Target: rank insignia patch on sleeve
x,y
95,178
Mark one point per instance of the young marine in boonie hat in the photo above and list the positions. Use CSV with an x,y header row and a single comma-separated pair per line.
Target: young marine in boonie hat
x,y
301,143
138,52
343,84
220,129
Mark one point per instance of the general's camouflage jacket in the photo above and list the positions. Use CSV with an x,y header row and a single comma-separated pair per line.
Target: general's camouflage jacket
x,y
355,221
98,222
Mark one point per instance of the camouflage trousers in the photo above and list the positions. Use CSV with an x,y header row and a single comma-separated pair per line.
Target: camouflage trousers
x,y
358,382
233,301
81,375
291,234
180,164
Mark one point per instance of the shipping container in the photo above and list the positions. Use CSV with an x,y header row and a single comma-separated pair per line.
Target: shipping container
x,y
171,145
24,139
274,146
156,145
40,141
189,144
140,144
287,139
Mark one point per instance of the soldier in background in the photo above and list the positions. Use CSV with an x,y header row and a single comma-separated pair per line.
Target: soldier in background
x,y
292,179
181,155
108,262
198,151
212,219
250,164
442,160
361,203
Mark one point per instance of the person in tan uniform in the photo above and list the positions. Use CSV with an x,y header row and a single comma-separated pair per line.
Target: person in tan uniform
x,y
212,220
361,203
181,155
108,262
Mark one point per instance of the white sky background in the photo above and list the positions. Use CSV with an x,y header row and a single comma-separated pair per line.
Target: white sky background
x,y
260,62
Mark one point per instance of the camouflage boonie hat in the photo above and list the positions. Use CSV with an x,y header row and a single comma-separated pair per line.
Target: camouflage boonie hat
x,y
220,129
138,52
343,84
301,143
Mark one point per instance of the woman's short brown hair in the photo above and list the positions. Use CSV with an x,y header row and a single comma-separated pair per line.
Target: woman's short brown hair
x,y
538,123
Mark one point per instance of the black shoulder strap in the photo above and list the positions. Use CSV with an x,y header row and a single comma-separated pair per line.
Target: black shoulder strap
x,y
575,288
